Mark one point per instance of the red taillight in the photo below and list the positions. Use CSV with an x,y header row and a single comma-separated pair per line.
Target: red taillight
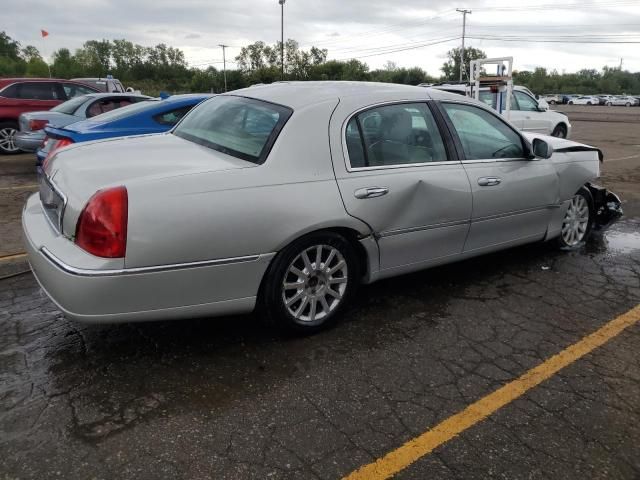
x,y
37,124
59,144
102,226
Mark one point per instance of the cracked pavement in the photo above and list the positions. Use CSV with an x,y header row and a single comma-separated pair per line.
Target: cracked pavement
x,y
228,398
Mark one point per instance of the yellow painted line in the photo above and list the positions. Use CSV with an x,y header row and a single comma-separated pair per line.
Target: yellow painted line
x,y
15,256
20,187
399,459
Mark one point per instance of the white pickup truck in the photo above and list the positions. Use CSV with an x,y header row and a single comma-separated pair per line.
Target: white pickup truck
x,y
527,113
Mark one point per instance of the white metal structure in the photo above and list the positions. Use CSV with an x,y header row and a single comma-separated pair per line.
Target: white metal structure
x,y
502,81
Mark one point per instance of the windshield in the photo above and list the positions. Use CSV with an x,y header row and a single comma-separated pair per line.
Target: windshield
x,y
70,106
241,127
123,112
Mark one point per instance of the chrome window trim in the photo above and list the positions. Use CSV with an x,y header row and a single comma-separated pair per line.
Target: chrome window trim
x,y
151,269
345,150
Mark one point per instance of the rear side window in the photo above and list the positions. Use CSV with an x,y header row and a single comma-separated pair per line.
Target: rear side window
x,y
401,134
482,134
38,91
172,117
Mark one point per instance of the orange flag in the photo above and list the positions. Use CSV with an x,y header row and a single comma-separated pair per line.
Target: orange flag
x,y
44,33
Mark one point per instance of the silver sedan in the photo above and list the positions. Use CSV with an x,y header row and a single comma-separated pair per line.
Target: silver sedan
x,y
289,195
31,134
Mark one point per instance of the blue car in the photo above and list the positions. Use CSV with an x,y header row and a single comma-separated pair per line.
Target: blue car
x,y
151,116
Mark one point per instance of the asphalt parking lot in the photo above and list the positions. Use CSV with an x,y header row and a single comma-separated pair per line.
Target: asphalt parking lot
x,y
229,398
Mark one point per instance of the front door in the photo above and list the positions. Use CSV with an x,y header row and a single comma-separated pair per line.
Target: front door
x,y
513,196
395,173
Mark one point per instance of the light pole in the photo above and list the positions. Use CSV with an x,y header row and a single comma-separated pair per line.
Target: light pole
x,y
464,28
281,2
224,65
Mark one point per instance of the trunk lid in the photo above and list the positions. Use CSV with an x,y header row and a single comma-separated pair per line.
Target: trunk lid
x,y
80,170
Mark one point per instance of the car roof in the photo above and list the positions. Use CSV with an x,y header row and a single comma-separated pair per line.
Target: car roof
x,y
300,93
115,94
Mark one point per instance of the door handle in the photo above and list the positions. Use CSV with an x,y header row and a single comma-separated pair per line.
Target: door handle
x,y
489,181
371,192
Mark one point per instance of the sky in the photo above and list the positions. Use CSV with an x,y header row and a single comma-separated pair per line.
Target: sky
x,y
559,35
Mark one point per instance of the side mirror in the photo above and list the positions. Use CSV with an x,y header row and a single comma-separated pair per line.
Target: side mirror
x,y
543,106
541,148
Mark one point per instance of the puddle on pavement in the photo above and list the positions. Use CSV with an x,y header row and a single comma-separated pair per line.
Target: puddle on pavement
x,y
622,242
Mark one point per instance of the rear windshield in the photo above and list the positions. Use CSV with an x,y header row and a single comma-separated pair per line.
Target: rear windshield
x,y
70,106
241,127
124,112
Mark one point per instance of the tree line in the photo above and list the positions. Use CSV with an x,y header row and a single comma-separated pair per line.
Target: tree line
x,y
164,68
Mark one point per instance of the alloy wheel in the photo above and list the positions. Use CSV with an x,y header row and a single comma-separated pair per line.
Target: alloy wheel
x,y
315,283
576,221
7,140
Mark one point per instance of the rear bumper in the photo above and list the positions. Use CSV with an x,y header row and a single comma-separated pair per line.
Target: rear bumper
x,y
69,276
28,141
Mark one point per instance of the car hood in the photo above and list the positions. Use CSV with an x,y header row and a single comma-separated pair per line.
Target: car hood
x,y
81,170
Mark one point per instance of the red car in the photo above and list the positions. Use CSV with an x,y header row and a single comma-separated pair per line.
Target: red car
x,y
19,95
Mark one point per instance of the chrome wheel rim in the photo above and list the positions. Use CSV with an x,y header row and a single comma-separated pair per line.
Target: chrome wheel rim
x,y
315,283
7,139
576,221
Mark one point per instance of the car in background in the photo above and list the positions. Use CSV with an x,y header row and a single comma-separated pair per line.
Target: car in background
x,y
527,113
156,115
552,99
289,195
31,134
623,100
107,85
566,98
605,99
20,95
585,100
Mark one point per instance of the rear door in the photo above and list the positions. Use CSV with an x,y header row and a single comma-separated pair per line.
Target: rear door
x,y
397,172
513,196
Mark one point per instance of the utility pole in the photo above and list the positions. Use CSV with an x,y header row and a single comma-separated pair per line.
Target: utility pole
x,y
224,65
464,28
281,2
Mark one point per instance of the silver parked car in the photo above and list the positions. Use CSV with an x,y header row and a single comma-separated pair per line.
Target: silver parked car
x,y
289,195
31,134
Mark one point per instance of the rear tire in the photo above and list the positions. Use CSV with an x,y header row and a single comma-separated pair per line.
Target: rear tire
x,y
560,131
577,222
8,132
627,104
310,282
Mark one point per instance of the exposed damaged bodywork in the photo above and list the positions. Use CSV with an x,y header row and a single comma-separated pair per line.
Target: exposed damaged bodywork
x,y
606,205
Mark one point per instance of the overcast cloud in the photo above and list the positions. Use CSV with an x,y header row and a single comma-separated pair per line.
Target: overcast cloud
x,y
347,28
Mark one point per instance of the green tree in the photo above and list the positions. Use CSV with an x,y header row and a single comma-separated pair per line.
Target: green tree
x,y
451,68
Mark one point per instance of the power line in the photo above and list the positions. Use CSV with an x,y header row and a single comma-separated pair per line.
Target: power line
x,y
402,49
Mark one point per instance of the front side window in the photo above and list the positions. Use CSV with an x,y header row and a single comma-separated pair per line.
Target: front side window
x,y
241,127
491,99
399,134
482,134
526,102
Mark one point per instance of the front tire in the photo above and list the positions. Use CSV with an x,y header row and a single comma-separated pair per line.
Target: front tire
x,y
310,282
560,131
8,132
577,222
627,104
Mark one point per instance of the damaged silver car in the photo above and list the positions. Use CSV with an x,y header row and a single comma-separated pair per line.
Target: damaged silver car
x,y
289,195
